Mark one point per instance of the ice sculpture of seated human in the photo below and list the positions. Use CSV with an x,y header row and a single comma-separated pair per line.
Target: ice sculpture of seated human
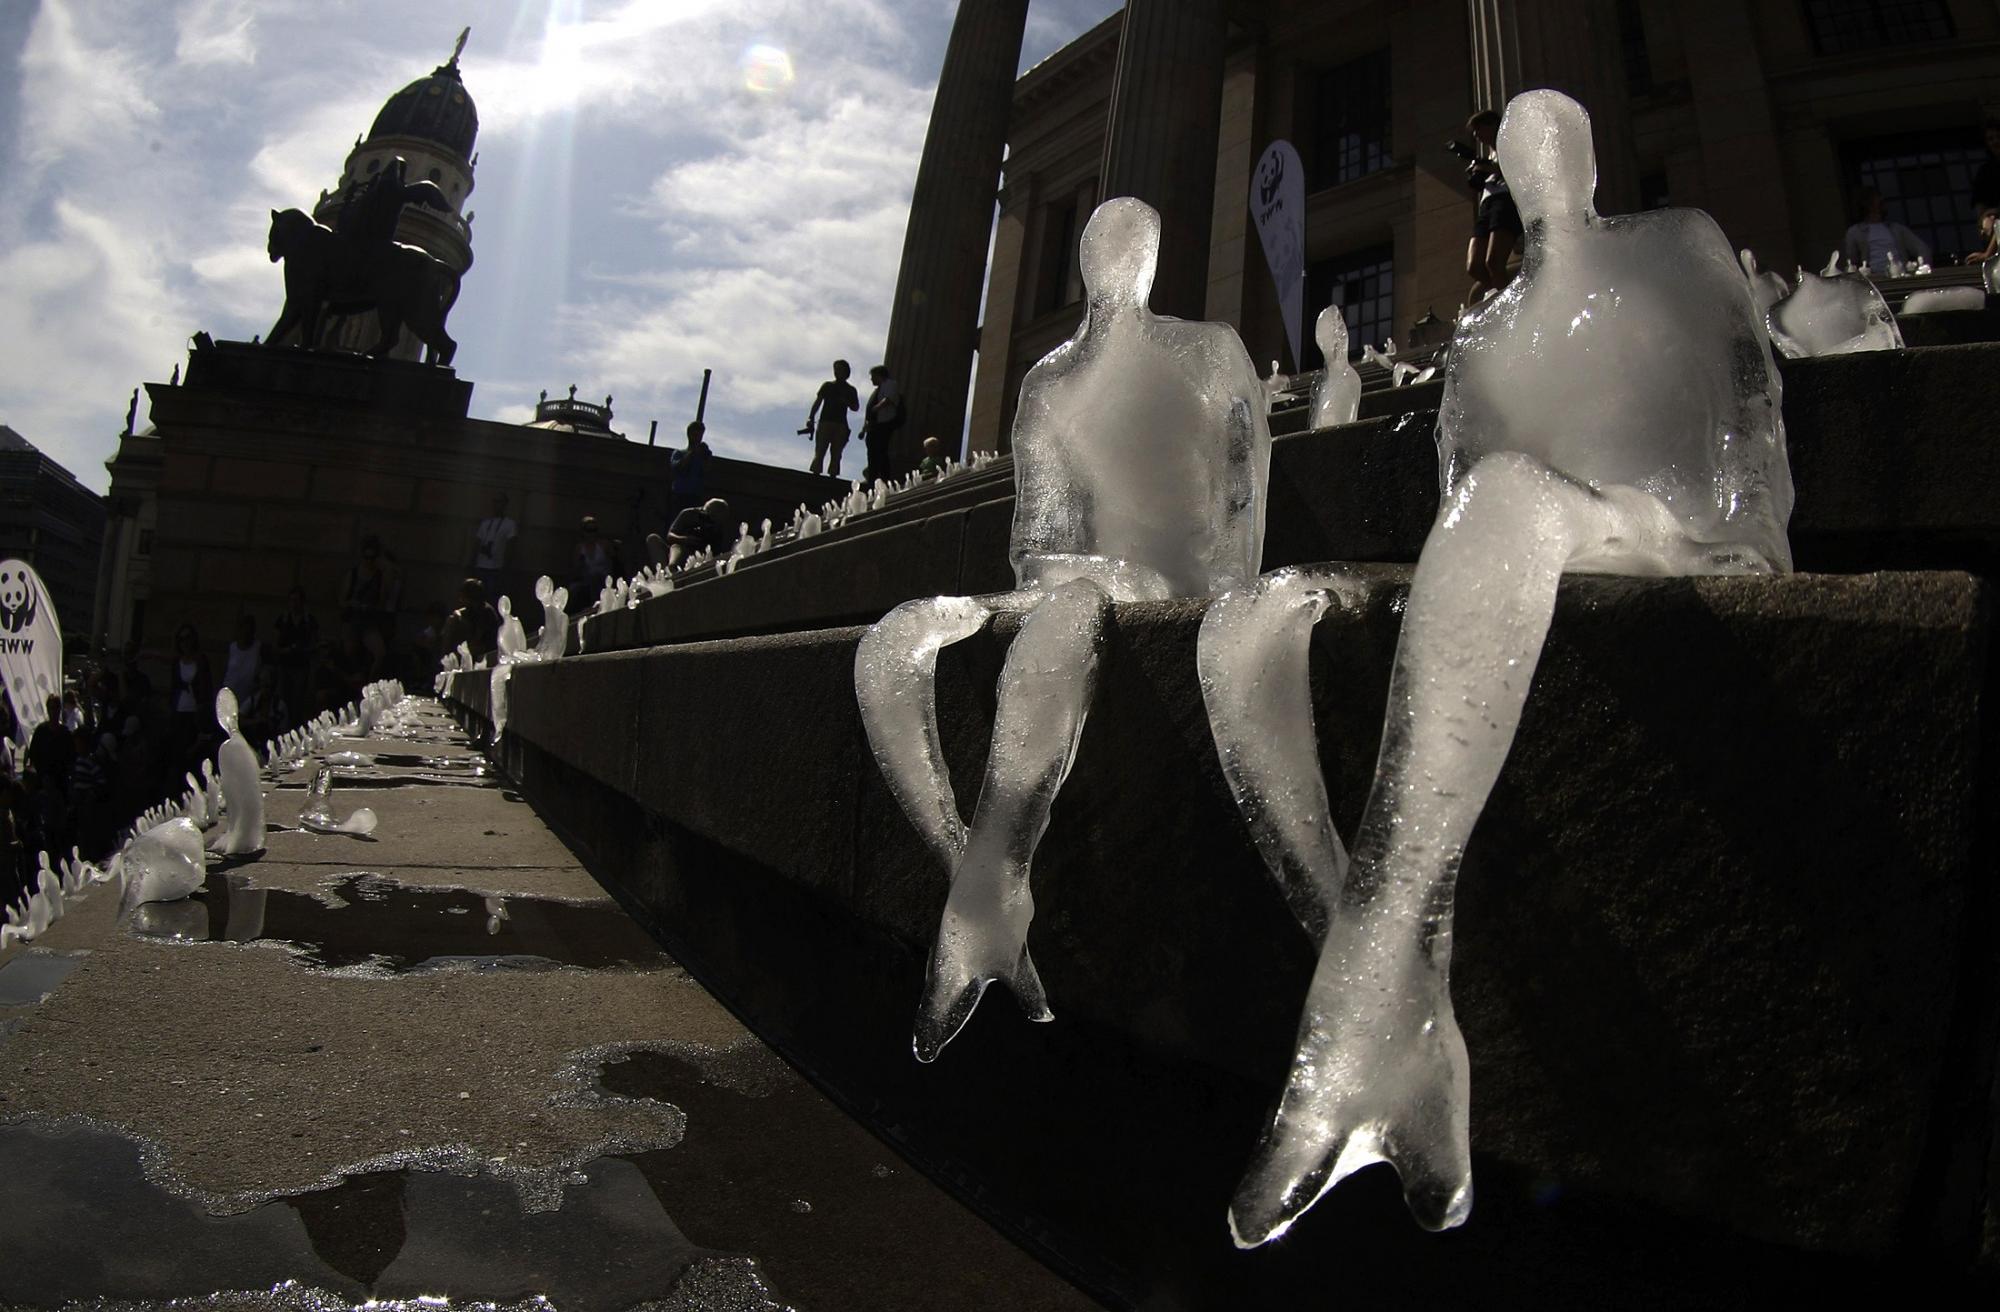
x,y
1141,451
1614,410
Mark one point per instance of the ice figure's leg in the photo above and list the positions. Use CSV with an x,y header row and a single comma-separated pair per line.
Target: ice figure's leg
x,y
1045,692
1380,1072
895,680
1252,658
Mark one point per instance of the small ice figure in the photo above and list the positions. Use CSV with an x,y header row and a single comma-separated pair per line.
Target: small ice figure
x,y
1939,299
164,863
1400,372
194,804
242,795
1275,385
555,619
1337,391
513,639
1613,410
1141,452
317,813
1837,315
1766,289
211,784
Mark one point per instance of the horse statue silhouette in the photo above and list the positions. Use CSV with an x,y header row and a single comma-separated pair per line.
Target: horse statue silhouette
x,y
362,267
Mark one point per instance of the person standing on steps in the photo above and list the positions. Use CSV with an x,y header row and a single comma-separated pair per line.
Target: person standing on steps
x,y
1496,223
827,420
879,423
690,470
490,541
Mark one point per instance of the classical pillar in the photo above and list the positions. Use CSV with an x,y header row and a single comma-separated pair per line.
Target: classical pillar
x,y
1571,46
935,319
1159,143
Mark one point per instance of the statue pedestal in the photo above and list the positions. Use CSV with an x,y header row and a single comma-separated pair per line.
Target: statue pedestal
x,y
331,377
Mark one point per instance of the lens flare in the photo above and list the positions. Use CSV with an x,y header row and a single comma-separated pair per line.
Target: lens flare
x,y
766,69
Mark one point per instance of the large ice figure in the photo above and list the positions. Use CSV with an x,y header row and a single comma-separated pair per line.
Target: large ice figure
x,y
1615,410
1141,450
1337,391
1837,315
242,793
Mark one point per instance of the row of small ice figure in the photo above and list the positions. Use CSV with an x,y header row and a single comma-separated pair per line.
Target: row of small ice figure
x,y
862,498
1837,311
164,854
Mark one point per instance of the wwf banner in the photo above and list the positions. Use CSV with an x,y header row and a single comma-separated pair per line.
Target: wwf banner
x,y
30,643
1278,204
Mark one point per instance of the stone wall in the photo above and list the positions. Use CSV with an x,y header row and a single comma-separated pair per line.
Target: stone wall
x,y
264,486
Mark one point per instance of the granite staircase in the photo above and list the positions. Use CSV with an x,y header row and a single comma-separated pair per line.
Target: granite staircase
x,y
1726,940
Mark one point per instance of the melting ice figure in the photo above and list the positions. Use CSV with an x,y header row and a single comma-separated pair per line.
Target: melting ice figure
x,y
1337,391
317,813
242,795
1141,451
164,863
1614,410
1836,314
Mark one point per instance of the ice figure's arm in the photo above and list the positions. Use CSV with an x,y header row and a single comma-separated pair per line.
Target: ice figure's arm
x,y
895,680
1045,692
1252,657
1380,1072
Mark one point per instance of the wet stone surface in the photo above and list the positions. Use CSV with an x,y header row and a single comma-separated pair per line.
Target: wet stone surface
x,y
32,976
367,921
88,1224
459,1078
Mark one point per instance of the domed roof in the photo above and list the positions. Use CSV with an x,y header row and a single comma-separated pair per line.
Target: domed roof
x,y
435,108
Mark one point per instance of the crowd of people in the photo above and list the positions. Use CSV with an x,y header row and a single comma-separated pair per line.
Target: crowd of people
x,y
128,727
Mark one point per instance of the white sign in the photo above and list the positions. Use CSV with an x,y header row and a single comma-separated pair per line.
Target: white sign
x,y
30,643
1278,203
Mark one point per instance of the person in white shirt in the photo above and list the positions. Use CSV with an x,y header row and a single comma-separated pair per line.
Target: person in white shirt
x,y
489,547
245,662
1874,240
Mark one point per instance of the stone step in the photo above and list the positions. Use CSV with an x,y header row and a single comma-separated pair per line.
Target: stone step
x,y
1893,454
1724,954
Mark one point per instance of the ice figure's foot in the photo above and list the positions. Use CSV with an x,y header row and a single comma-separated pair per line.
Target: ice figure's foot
x,y
1380,1075
962,964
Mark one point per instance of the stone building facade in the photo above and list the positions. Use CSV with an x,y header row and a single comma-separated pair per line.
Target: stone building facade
x,y
268,468
1772,115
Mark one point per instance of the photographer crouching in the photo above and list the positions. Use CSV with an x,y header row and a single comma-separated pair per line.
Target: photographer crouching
x,y
1496,225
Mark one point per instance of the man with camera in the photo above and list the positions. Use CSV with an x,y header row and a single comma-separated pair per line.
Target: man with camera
x,y
1496,224
826,422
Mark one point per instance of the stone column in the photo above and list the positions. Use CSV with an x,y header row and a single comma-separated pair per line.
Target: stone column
x,y
1160,141
934,323
1571,46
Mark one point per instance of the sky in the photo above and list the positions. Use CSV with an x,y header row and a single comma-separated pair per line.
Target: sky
x,y
653,194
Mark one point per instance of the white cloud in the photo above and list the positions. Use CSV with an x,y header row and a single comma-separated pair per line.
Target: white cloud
x,y
80,93
644,213
216,32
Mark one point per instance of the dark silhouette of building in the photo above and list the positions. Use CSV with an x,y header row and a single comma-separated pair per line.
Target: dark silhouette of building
x,y
54,523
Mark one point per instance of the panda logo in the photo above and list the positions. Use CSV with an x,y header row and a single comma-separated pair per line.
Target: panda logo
x,y
18,602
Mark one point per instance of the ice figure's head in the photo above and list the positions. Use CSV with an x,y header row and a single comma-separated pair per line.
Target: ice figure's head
x,y
1121,246
1546,155
225,710
1330,331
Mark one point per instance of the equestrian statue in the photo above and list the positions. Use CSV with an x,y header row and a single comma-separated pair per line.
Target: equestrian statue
x,y
358,265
